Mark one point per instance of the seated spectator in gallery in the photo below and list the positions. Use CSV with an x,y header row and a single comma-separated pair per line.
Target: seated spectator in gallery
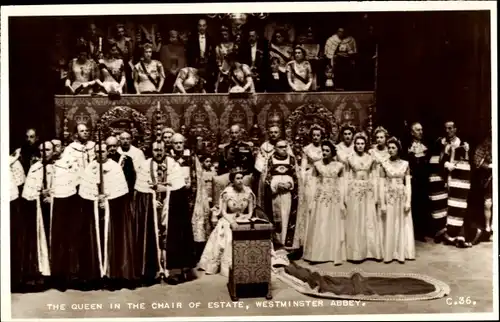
x,y
173,59
276,81
299,71
326,81
189,80
149,75
82,72
222,50
124,45
341,50
112,72
280,49
312,48
239,77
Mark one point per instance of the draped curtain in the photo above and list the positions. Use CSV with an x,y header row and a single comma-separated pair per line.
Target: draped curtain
x,y
435,66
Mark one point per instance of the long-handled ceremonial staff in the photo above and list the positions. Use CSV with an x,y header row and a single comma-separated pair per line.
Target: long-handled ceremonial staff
x,y
99,151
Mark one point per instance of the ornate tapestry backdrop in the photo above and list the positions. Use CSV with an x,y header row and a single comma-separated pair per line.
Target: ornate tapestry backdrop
x,y
209,116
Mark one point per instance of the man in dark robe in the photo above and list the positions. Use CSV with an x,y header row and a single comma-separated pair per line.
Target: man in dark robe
x,y
200,54
64,245
189,163
150,190
105,192
255,53
82,149
236,154
479,229
128,149
28,153
17,178
281,193
455,173
418,155
34,253
125,161
161,190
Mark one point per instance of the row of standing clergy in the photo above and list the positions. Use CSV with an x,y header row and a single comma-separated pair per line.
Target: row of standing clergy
x,y
117,233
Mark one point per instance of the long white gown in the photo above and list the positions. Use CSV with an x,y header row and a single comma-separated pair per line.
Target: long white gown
x,y
326,232
363,224
307,189
399,240
344,152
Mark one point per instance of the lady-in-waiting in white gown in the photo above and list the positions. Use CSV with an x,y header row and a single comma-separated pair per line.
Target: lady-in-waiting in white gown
x,y
399,240
325,238
363,222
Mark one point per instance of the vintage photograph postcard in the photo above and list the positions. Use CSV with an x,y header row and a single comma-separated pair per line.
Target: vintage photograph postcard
x,y
236,161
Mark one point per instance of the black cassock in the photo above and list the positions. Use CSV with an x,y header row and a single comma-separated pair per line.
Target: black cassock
x,y
179,242
147,251
418,156
69,239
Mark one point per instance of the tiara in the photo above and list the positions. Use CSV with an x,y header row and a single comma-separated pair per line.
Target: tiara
x,y
395,140
237,170
360,135
380,129
317,127
348,127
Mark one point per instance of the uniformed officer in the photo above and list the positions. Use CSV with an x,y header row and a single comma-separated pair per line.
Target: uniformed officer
x,y
236,153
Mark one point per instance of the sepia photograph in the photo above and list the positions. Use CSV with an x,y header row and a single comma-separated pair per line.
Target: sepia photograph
x,y
314,161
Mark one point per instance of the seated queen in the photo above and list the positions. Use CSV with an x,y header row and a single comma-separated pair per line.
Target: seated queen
x,y
236,204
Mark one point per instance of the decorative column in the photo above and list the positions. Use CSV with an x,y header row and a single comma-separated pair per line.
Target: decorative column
x,y
158,118
372,108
